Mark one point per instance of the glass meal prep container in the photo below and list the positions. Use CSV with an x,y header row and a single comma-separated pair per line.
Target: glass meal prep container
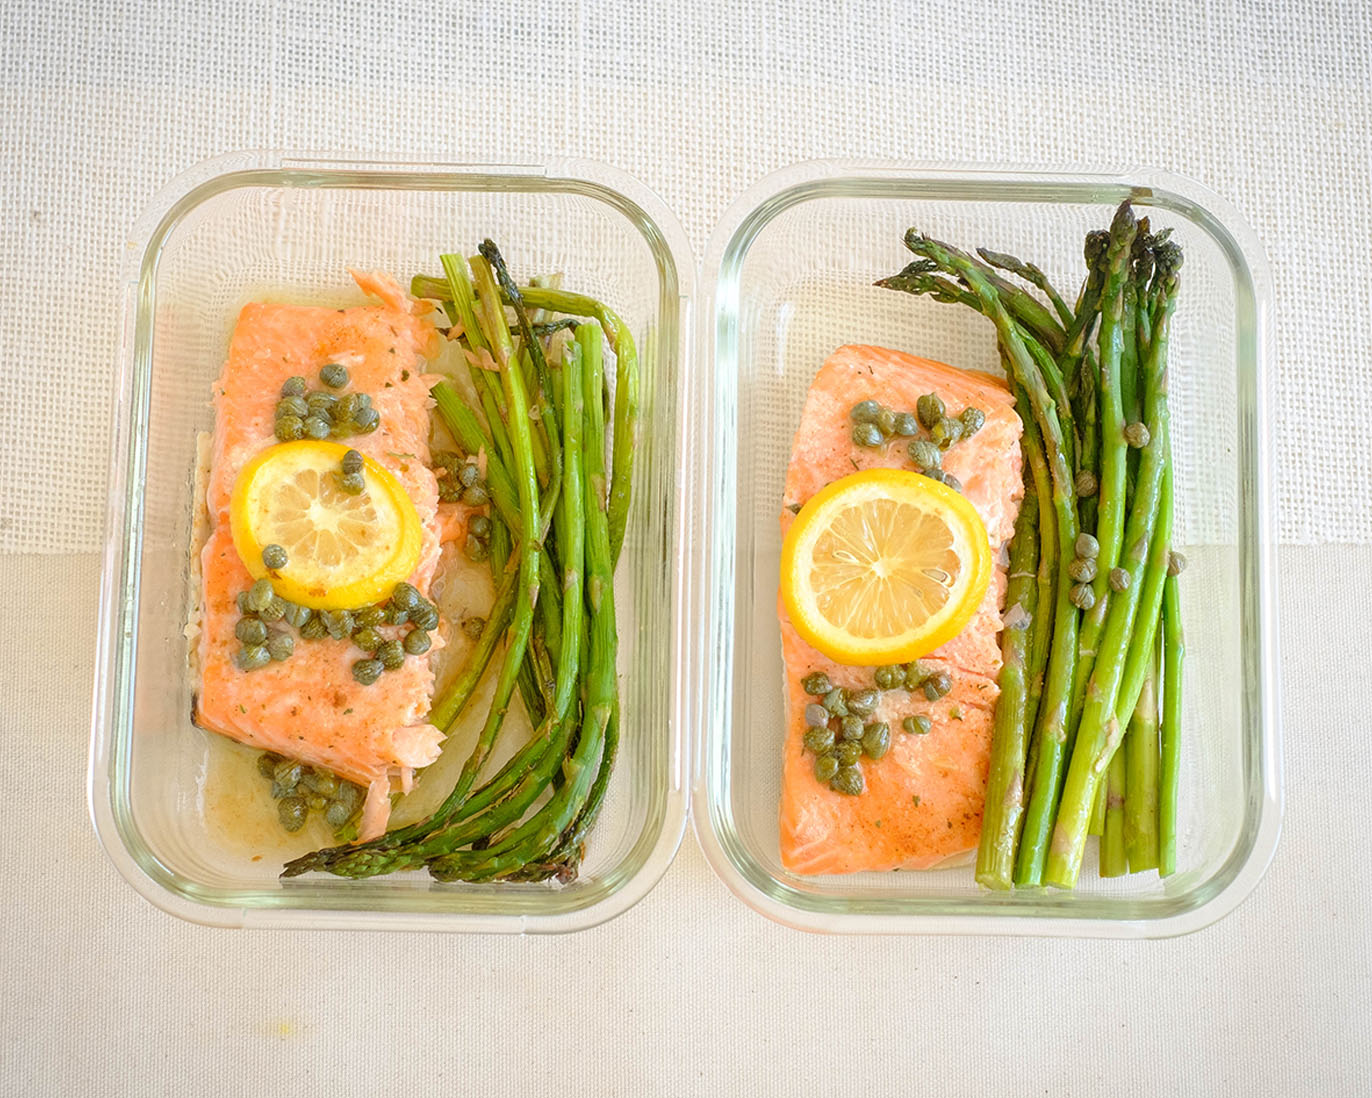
x,y
253,226
788,275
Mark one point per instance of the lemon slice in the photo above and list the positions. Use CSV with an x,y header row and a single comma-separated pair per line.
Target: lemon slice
x,y
342,551
883,566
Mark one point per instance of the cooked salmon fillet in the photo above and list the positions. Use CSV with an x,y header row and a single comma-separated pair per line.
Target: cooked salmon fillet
x,y
310,707
923,800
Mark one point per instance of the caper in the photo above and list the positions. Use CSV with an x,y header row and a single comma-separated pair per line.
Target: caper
x,y
1082,597
348,795
480,525
322,404
367,671
474,627
848,752
367,420
864,411
917,726
293,387
352,462
337,814
876,739
469,474
867,434
250,631
266,763
826,766
848,780
818,739
395,615
1082,569
448,490
259,595
1120,579
354,484
280,646
367,638
935,474
315,427
952,482
1176,564
425,617
886,422
816,715
275,610
296,614
241,599
477,549
1087,546
925,454
946,432
475,496
320,781
1137,435
972,420
274,556
334,375
391,654
287,774
406,596
417,642
314,628
930,409
833,701
1086,484
292,406
342,428
338,623
347,407
364,401
290,428
316,802
889,677
905,425
292,811
816,683
850,727
369,616
863,702
937,684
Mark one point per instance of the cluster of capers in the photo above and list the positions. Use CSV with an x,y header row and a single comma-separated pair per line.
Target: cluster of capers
x,y
318,413
260,604
874,425
1083,571
299,789
914,676
838,731
459,480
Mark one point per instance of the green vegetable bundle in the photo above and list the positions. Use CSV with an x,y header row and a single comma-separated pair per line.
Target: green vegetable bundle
x,y
552,540
1086,736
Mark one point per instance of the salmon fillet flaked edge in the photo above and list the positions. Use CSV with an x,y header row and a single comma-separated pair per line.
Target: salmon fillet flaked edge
x,y
310,707
923,801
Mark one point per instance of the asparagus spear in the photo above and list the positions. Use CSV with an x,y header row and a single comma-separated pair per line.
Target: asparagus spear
x,y
1032,275
1004,808
1140,756
1099,731
1114,862
1173,646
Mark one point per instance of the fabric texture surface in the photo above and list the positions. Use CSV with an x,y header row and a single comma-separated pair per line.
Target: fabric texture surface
x,y
1267,102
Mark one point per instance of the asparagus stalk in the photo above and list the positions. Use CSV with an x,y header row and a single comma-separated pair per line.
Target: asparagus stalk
x,y
1140,755
1173,646
1004,806
1114,862
1032,275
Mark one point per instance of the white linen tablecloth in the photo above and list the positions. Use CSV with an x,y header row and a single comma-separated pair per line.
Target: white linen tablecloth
x,y
1269,103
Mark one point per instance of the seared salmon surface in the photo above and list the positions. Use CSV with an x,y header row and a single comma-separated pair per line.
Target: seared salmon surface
x,y
923,801
310,707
